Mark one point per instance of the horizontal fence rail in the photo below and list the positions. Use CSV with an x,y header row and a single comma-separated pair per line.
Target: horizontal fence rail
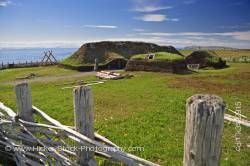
x,y
26,142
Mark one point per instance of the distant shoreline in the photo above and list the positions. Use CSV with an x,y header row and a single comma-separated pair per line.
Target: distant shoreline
x,y
23,55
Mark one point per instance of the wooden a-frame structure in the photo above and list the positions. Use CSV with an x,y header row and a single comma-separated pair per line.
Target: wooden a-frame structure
x,y
48,58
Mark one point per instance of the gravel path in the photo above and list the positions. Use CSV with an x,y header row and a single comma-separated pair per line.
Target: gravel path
x,y
51,78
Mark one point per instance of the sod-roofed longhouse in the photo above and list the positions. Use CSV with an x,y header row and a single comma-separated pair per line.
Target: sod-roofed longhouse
x,y
157,61
111,55
206,59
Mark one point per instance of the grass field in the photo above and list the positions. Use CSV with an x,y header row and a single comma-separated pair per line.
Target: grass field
x,y
76,62
160,56
147,110
223,53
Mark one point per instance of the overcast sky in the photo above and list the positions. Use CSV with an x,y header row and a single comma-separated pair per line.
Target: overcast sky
x,y
70,23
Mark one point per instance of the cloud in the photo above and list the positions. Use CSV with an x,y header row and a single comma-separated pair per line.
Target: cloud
x,y
244,35
240,35
42,44
182,41
177,41
174,19
152,17
151,8
4,3
148,7
101,26
155,18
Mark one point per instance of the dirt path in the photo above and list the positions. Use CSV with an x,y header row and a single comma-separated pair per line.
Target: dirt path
x,y
52,78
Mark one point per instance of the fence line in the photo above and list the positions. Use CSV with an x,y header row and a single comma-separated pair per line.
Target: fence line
x,y
20,133
241,59
26,64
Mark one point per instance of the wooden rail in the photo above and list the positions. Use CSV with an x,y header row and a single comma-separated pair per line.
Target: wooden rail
x,y
29,143
25,64
26,142
203,133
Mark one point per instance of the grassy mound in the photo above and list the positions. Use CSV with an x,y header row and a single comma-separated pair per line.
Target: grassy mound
x,y
72,61
159,56
107,51
206,59
224,53
157,62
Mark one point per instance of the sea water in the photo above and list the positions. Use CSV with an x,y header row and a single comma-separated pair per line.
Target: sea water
x,y
22,55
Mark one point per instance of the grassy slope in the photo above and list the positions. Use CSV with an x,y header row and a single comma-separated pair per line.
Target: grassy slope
x,y
76,62
71,61
149,109
223,53
159,56
11,74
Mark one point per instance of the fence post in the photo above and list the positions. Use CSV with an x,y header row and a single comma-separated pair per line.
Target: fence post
x,y
84,122
203,132
96,64
24,102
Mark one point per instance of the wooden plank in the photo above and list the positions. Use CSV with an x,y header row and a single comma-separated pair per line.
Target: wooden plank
x,y
24,102
109,75
126,158
236,113
203,132
88,84
84,122
6,109
237,120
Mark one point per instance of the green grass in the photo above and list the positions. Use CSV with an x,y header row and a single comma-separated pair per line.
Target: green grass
x,y
76,62
160,56
147,110
71,61
223,53
11,74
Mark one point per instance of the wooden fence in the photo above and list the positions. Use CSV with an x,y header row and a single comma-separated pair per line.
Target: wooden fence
x,y
26,142
25,64
240,59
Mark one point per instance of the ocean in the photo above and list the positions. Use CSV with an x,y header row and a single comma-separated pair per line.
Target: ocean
x,y
21,55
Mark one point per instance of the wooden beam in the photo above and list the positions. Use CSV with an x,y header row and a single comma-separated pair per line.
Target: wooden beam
x,y
237,120
24,102
203,132
84,122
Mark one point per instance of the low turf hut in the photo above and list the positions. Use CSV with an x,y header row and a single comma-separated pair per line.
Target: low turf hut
x,y
205,59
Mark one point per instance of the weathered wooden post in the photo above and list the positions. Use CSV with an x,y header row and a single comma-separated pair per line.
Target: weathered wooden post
x,y
24,102
84,122
96,64
203,133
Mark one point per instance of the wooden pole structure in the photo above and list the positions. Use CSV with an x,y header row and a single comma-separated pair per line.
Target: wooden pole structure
x,y
204,128
84,123
96,64
24,102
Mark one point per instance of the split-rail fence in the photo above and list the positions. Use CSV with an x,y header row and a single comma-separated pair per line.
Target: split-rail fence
x,y
26,142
